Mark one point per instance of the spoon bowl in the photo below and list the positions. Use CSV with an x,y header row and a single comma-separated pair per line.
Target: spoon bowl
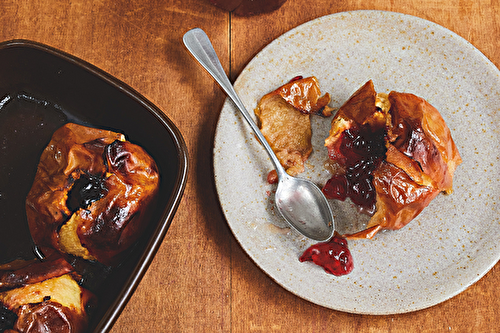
x,y
299,201
293,199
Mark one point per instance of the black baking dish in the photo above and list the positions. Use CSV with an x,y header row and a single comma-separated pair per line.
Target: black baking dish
x,y
42,88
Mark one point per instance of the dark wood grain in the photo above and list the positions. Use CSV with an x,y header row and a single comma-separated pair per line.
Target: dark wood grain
x,y
201,280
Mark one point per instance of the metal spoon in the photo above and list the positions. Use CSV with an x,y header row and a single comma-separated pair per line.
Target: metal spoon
x,y
300,202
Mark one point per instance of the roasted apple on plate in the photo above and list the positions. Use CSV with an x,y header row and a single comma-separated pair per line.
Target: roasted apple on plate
x,y
391,154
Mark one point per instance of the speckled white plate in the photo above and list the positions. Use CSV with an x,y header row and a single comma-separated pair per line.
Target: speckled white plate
x,y
453,242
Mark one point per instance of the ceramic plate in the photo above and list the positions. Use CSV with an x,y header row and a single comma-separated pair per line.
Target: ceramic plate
x,y
453,242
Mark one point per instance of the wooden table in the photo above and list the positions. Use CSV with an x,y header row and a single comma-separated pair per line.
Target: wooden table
x,y
201,280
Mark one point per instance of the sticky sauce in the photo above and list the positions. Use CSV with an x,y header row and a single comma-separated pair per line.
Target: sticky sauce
x,y
334,256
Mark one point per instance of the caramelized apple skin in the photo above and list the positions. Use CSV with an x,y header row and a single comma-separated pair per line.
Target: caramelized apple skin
x,y
72,149
420,160
304,95
44,297
102,226
418,131
48,317
110,225
399,198
33,272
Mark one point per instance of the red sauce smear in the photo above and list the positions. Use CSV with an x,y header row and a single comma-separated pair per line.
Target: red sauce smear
x,y
361,150
296,78
334,256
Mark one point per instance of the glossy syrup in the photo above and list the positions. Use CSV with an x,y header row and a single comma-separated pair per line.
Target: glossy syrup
x,y
334,256
362,150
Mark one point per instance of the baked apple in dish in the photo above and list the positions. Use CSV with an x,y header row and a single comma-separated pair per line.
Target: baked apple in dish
x,y
290,107
43,297
91,193
391,154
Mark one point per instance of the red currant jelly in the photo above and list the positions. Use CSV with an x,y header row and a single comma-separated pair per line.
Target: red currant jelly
x,y
361,150
334,256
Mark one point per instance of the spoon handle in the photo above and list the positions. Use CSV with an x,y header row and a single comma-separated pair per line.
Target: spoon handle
x,y
198,43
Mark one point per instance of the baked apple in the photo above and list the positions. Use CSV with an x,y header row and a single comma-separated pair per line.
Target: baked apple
x,y
284,119
91,193
392,155
43,297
